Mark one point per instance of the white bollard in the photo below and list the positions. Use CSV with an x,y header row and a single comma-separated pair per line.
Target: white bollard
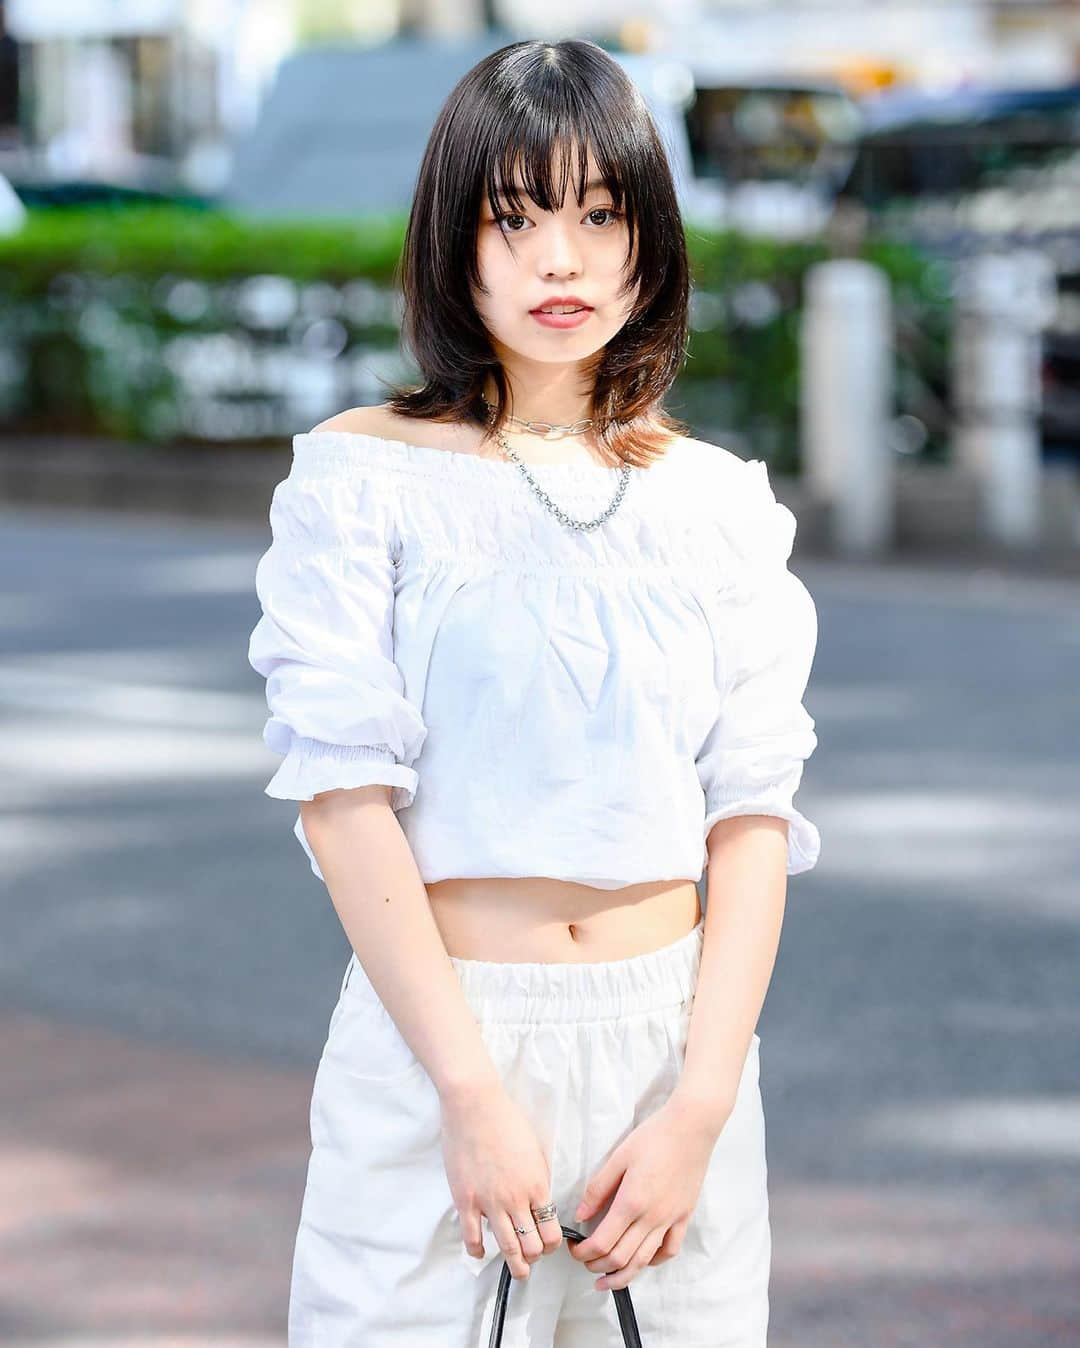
x,y
846,401
1003,301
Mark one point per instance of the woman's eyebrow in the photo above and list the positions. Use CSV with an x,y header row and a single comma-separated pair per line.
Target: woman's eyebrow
x,y
503,195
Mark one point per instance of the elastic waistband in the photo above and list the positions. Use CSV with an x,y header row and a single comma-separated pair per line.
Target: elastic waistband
x,y
582,990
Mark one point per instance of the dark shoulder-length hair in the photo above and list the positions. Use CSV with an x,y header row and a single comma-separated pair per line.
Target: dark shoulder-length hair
x,y
527,108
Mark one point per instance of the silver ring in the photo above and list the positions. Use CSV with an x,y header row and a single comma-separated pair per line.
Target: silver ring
x,y
524,1230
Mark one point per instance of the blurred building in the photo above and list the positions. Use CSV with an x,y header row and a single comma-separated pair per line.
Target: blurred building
x,y
133,89
9,84
923,43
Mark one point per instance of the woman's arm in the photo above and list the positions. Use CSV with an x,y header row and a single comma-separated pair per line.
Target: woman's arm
x,y
350,738
494,1162
376,889
744,911
652,1180
751,766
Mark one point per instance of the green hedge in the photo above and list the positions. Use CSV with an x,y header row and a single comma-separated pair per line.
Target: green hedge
x,y
95,304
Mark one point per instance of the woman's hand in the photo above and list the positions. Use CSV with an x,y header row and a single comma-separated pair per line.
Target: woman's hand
x,y
656,1174
496,1167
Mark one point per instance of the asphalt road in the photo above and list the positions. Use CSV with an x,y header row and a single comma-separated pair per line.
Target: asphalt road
x,y
169,962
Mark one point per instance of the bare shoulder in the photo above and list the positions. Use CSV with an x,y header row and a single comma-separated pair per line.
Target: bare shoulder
x,y
375,420
379,420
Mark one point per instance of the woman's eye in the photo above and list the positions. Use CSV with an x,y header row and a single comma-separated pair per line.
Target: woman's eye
x,y
597,210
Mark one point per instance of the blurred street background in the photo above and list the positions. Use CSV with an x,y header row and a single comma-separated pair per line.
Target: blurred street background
x,y
201,209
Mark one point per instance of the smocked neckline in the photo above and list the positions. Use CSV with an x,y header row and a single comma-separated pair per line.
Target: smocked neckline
x,y
360,445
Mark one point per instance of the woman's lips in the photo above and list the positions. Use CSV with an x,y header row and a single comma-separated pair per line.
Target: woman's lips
x,y
573,320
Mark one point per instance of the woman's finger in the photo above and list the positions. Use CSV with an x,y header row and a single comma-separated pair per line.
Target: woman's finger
x,y
532,1242
638,1260
510,1243
672,1242
549,1229
471,1233
624,1248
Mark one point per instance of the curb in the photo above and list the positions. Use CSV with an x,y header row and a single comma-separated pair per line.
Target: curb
x,y
101,474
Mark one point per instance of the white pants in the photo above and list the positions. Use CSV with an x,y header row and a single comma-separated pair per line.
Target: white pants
x,y
589,1050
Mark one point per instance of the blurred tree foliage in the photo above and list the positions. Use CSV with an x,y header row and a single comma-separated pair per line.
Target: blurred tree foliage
x,y
101,310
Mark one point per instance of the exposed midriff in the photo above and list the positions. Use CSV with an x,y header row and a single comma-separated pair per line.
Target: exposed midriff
x,y
534,918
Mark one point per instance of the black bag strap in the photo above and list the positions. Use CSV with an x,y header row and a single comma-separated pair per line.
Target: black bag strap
x,y
624,1307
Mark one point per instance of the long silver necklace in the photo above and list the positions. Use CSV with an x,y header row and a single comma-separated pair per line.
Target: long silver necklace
x,y
568,520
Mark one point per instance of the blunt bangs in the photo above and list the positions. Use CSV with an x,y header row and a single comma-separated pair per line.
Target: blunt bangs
x,y
517,126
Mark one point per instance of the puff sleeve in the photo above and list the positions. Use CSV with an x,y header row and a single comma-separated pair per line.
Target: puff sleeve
x,y
339,714
752,759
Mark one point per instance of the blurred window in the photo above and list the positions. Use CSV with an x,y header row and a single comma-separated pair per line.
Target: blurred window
x,y
759,134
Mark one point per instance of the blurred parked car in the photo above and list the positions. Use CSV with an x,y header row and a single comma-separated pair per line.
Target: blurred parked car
x,y
148,180
771,154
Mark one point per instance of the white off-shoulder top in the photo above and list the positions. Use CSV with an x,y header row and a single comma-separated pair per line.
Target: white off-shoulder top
x,y
543,701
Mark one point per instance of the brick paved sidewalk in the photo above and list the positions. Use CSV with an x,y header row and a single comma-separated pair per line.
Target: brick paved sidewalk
x,y
149,1198
148,1195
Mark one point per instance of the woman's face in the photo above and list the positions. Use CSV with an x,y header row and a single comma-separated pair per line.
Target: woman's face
x,y
531,258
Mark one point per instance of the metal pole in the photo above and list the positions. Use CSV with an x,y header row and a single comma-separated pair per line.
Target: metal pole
x,y
1003,302
846,401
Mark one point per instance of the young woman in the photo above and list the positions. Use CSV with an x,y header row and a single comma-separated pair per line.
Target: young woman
x,y
535,662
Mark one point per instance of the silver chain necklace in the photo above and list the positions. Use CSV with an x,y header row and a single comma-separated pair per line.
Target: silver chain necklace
x,y
546,427
549,504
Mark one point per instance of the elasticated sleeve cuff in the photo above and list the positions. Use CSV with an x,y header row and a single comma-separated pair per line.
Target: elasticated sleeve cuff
x,y
311,766
752,759
340,714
